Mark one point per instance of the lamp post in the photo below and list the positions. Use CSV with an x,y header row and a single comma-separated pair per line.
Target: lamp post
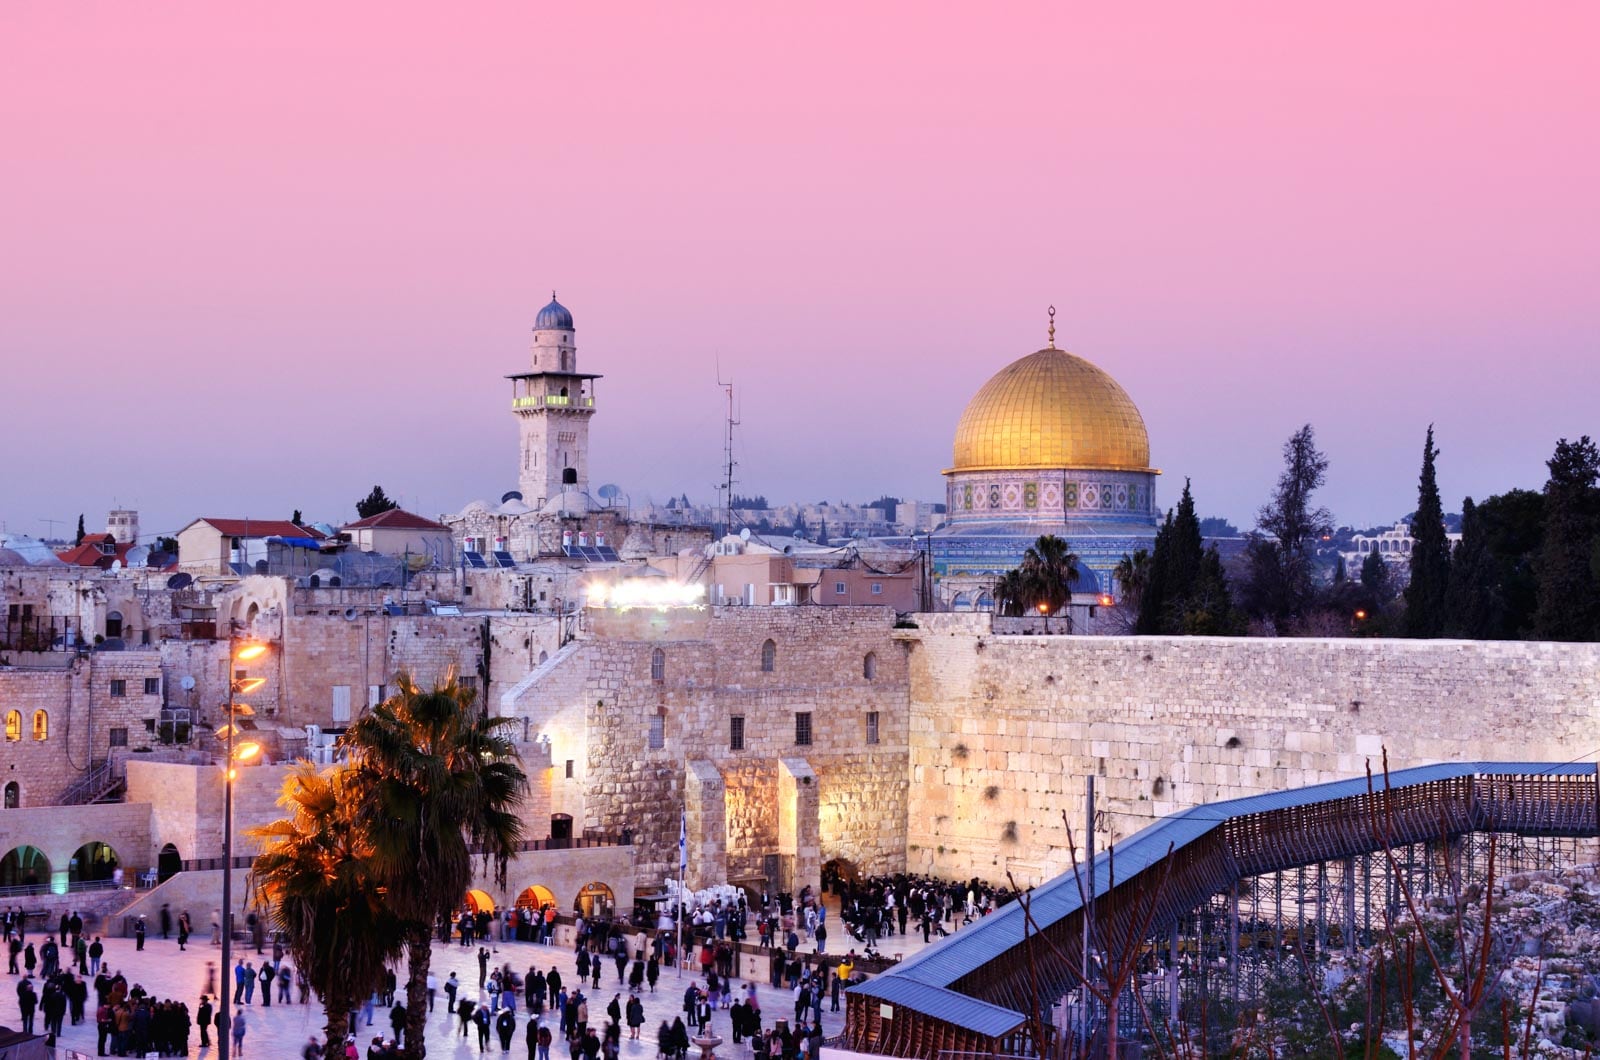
x,y
1044,609
236,752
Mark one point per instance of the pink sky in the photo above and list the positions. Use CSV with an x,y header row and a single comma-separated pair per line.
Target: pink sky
x,y
260,257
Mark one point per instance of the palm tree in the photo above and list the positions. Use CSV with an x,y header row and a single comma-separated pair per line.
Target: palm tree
x,y
439,785
1013,595
315,875
1052,569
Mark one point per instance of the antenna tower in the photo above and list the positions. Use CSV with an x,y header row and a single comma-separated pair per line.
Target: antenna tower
x,y
728,463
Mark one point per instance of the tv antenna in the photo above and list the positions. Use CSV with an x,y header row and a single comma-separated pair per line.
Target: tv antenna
x,y
728,463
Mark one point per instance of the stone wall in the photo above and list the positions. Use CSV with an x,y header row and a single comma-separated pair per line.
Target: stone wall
x,y
83,712
1005,728
59,831
597,701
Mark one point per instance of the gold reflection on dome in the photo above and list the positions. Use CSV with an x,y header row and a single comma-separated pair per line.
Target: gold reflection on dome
x,y
1051,410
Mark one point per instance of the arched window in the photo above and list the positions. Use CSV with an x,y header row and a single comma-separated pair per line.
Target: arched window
x,y
13,796
13,725
869,665
769,657
41,725
113,624
658,666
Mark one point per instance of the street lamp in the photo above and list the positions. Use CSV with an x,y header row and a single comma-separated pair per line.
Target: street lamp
x,y
1044,609
237,751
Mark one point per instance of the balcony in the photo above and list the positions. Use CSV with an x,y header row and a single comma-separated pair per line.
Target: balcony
x,y
533,401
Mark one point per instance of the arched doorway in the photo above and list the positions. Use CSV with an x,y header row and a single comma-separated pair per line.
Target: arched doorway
x,y
536,897
838,873
560,830
25,867
13,795
113,624
479,901
596,899
92,863
168,863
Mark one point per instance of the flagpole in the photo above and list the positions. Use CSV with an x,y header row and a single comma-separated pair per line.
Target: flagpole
x,y
683,868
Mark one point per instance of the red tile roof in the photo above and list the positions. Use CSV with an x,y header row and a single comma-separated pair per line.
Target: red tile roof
x,y
257,528
394,519
90,554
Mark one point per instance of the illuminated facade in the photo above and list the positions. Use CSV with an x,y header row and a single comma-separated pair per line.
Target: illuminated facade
x,y
1050,445
553,404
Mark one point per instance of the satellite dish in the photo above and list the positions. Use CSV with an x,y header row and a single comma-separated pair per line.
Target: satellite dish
x,y
186,682
744,535
180,581
116,564
608,492
511,495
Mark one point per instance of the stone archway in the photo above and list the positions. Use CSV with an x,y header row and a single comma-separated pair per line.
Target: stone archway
x,y
168,863
478,901
839,872
27,867
595,898
94,862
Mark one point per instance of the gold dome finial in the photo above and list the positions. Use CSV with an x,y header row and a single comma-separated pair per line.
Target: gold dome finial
x,y
1052,327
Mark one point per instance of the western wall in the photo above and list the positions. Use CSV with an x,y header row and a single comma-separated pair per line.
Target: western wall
x,y
1003,729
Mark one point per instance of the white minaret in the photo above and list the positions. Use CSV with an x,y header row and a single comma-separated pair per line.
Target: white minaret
x,y
553,403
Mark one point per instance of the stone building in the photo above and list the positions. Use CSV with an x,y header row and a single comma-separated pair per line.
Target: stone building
x,y
1050,445
781,732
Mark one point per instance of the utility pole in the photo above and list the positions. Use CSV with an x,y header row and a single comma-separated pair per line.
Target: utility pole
x,y
1088,908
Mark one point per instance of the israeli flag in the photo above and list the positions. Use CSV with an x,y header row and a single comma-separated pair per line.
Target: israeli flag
x,y
683,842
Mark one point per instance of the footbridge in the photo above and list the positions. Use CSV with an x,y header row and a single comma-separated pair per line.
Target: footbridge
x,y
1207,891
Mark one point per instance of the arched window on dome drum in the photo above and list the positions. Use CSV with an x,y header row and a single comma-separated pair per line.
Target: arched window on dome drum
x,y
769,657
41,725
658,666
961,602
13,726
869,665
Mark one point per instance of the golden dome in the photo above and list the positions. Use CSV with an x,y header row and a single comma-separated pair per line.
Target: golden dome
x,y
1051,409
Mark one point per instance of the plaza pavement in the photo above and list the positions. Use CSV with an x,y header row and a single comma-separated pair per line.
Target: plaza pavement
x,y
279,1032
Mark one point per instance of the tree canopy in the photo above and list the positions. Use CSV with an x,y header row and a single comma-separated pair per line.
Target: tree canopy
x,y
375,503
1430,554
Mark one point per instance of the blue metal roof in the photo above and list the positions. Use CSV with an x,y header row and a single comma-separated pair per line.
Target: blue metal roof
x,y
932,970
959,1009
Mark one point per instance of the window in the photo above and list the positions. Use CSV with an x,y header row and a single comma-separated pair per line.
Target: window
x,y
341,704
769,656
569,769
872,726
13,795
869,665
877,588
736,733
374,695
41,725
119,737
152,686
838,588
658,732
658,666
469,684
119,687
13,726
802,728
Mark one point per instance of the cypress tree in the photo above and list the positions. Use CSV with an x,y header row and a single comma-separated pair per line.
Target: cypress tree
x,y
1375,577
1568,608
1471,602
1430,554
1182,581
79,539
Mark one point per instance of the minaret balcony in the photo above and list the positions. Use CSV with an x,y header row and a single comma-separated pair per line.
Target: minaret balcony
x,y
535,401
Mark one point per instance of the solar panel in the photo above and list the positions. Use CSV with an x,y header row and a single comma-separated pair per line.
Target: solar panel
x,y
504,559
590,554
570,552
609,554
239,568
394,609
475,560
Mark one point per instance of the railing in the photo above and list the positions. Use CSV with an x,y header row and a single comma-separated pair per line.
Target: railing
x,y
39,633
92,785
23,890
538,400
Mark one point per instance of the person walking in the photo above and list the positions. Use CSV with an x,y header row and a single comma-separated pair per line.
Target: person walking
x,y
240,1025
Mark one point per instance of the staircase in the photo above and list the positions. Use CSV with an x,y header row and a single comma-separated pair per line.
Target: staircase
x,y
99,784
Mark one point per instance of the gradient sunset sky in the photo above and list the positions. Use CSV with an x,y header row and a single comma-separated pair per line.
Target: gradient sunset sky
x,y
259,257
